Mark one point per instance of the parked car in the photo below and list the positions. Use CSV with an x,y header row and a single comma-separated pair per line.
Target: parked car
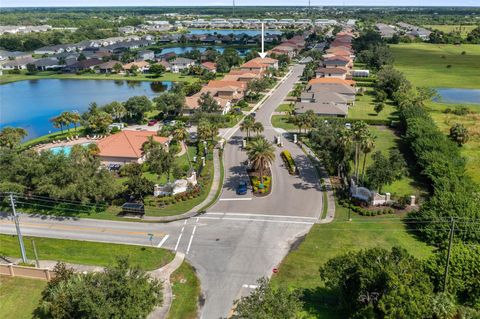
x,y
152,122
242,188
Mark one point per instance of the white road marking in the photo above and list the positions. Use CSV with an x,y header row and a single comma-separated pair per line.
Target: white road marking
x,y
162,241
261,215
191,239
259,220
180,237
250,286
239,198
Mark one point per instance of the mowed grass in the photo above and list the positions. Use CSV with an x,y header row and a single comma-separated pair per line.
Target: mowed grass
x,y
281,121
386,140
425,64
86,253
300,267
470,150
19,297
464,30
186,289
364,108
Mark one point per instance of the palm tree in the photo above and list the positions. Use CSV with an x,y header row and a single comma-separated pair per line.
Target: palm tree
x,y
247,124
75,118
258,128
203,130
67,119
58,122
367,146
181,134
359,132
345,142
261,154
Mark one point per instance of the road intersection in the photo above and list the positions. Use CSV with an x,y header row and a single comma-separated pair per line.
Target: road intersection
x,y
238,240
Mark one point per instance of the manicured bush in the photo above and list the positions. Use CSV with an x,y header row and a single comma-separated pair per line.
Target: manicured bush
x,y
287,158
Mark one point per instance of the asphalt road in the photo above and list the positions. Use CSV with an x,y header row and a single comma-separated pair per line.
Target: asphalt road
x,y
239,240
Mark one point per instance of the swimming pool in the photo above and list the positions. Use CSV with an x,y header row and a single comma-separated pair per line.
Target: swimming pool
x,y
64,149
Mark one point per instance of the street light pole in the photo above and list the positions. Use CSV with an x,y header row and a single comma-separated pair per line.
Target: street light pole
x,y
17,226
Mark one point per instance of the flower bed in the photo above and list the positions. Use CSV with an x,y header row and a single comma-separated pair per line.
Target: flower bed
x,y
289,163
378,210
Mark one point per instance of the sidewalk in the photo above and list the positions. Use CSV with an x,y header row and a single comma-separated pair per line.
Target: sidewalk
x,y
163,274
326,182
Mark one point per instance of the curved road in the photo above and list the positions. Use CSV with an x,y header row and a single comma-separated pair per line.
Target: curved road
x,y
236,241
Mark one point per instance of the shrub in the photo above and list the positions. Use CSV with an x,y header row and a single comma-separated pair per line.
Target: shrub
x,y
287,158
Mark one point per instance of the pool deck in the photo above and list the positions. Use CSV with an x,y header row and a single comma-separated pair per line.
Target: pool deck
x,y
80,140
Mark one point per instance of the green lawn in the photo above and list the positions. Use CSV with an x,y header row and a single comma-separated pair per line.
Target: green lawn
x,y
386,140
284,107
425,64
471,150
168,76
281,121
84,252
19,297
363,108
186,289
463,29
300,267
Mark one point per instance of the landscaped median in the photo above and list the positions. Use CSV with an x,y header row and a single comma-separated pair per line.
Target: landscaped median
x,y
289,162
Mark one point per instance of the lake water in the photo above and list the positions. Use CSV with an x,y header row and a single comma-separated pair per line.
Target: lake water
x,y
182,50
31,104
249,32
452,95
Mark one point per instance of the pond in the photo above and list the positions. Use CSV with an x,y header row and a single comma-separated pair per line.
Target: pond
x,y
31,104
249,32
184,49
453,95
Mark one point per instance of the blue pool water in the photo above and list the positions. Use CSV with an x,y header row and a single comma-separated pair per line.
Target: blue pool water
x,y
31,104
64,149
453,95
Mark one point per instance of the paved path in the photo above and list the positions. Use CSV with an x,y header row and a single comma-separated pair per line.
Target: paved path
x,y
163,274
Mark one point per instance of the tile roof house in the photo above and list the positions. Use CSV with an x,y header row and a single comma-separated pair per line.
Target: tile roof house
x,y
191,103
142,66
259,64
83,65
322,109
332,81
19,63
126,146
108,67
339,72
209,66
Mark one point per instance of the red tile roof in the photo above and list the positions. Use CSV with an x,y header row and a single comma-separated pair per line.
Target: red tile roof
x,y
127,143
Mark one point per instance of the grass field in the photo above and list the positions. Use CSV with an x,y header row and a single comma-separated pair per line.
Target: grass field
x,y
387,140
364,108
186,289
173,77
471,150
281,121
425,64
84,252
463,29
19,297
300,267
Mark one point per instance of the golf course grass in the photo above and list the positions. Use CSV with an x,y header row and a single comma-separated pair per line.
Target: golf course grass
x,y
300,267
464,30
439,65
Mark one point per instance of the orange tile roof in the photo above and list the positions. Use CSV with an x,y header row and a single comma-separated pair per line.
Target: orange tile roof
x,y
332,81
191,102
127,143
253,64
209,65
265,60
215,84
242,72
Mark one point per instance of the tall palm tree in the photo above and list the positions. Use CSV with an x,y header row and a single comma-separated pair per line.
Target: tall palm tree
x,y
261,154
367,146
75,119
258,128
181,134
203,130
57,122
359,132
345,143
247,124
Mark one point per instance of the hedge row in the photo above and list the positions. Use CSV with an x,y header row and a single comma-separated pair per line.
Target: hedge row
x,y
287,158
361,79
348,120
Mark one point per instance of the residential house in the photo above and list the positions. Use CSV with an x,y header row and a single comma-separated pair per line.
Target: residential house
x,y
146,55
338,62
178,64
209,66
126,146
332,81
17,64
83,65
339,72
327,109
259,64
142,66
48,64
5,55
166,65
109,66
192,103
